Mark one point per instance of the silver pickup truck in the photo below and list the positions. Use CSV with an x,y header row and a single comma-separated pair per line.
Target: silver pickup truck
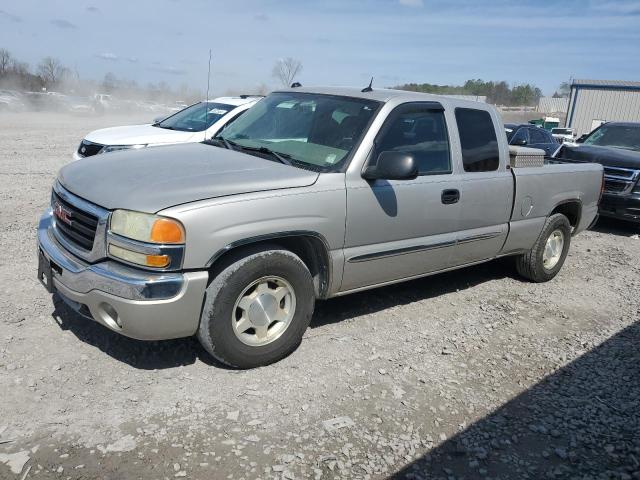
x,y
313,193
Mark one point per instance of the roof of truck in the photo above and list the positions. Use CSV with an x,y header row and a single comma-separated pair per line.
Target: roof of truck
x,y
381,94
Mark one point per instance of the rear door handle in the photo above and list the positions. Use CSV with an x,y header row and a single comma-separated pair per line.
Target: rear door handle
x,y
450,196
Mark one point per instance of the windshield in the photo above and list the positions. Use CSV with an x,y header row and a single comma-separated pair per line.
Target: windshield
x,y
617,136
196,118
317,131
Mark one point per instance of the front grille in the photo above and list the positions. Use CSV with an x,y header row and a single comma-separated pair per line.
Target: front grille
x,y
626,173
75,225
615,186
88,149
620,181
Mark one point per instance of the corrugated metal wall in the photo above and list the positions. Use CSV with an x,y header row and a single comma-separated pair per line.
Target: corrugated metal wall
x,y
590,104
552,105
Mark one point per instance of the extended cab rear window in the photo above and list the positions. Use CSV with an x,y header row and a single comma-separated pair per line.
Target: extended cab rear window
x,y
480,152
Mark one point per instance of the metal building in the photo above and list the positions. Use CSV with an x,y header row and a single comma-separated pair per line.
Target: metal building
x,y
552,105
593,102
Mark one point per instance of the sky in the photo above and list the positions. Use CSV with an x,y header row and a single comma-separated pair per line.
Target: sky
x,y
339,42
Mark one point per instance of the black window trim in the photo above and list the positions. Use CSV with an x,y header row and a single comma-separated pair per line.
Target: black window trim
x,y
524,129
426,106
455,111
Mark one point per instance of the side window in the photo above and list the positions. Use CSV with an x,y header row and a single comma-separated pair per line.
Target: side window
x,y
521,134
421,131
537,136
480,151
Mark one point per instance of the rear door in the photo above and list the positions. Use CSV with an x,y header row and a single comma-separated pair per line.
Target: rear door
x,y
398,229
486,189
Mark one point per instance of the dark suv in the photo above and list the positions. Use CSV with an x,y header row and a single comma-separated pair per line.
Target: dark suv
x,y
531,136
615,145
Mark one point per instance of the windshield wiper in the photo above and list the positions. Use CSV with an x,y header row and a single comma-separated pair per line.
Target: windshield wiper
x,y
281,157
221,142
231,145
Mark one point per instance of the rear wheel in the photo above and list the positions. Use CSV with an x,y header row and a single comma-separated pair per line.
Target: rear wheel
x,y
545,259
257,308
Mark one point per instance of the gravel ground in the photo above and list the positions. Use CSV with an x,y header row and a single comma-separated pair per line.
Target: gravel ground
x,y
470,374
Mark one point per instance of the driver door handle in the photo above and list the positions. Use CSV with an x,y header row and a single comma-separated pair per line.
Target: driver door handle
x,y
450,196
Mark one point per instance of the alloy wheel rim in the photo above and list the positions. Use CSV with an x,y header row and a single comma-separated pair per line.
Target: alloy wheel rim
x,y
553,249
263,311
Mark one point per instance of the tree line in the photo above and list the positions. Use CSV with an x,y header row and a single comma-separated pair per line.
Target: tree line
x,y
51,74
498,93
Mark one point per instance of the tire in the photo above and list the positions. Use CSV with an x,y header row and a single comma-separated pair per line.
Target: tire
x,y
531,265
219,332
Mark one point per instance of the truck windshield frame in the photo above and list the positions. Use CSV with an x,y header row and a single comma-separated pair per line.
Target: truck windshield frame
x,y
314,131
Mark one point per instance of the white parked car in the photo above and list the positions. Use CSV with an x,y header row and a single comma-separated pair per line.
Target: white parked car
x,y
196,123
563,134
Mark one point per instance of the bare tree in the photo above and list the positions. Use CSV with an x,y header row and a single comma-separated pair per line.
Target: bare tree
x,y
51,71
5,61
286,70
109,83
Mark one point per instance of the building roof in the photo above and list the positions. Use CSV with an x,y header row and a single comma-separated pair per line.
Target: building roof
x,y
606,83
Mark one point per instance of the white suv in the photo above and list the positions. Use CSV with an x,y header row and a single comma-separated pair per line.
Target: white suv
x,y
196,123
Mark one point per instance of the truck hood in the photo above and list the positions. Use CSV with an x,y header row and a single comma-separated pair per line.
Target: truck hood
x,y
155,178
607,156
140,134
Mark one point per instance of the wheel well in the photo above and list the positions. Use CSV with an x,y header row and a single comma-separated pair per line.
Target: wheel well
x,y
311,250
572,210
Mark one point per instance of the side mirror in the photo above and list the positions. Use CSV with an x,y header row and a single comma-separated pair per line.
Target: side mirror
x,y
392,166
520,142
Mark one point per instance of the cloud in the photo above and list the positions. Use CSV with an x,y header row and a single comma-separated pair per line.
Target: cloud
x,y
111,57
261,17
65,24
92,9
618,8
10,16
168,69
411,3
132,59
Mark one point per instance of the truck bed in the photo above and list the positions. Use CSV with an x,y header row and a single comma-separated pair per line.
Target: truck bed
x,y
540,190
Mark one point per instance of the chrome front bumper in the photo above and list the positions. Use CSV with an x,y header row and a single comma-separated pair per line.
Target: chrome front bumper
x,y
136,303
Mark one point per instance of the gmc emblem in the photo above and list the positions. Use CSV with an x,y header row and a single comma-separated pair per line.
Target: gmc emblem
x,y
62,213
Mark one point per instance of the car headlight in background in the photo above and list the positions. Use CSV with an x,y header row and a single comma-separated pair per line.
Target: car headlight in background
x,y
115,148
145,239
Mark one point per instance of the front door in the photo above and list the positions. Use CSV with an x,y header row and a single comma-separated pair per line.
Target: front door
x,y
402,228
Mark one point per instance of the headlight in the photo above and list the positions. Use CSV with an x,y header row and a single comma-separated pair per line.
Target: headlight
x,y
147,240
115,148
145,227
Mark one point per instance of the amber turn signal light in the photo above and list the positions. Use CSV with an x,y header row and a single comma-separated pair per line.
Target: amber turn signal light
x,y
159,261
165,230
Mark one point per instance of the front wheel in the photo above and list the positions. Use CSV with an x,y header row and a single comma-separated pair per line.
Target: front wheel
x,y
257,308
545,259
